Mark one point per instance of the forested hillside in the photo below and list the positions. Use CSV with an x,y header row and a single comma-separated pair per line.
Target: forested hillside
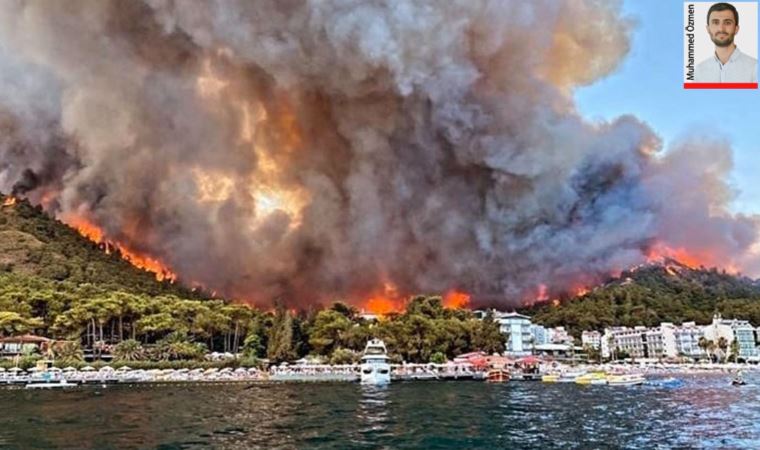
x,y
659,292
33,243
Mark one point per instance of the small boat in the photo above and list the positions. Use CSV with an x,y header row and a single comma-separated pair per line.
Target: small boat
x,y
738,381
550,378
625,380
374,368
60,384
569,377
668,382
592,378
497,375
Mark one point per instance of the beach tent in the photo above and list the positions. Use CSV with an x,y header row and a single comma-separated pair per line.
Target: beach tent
x,y
88,369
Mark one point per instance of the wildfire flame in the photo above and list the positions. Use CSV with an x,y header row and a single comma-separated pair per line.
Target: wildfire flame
x,y
144,262
386,302
456,300
9,201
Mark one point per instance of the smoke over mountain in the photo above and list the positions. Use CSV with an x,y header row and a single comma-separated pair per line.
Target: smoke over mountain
x,y
311,150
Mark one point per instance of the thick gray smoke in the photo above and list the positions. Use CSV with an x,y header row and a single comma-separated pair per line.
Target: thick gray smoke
x,y
312,150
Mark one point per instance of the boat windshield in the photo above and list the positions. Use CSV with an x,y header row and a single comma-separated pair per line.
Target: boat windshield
x,y
374,351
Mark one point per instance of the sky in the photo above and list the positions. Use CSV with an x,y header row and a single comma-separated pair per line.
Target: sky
x,y
649,85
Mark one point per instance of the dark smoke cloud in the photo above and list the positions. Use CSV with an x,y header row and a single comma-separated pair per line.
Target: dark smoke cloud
x,y
318,149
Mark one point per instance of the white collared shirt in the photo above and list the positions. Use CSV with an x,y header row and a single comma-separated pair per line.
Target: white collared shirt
x,y
739,68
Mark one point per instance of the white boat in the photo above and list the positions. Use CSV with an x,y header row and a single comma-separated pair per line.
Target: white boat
x,y
625,380
570,376
375,368
59,384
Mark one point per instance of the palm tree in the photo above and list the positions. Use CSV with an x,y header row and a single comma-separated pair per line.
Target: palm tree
x,y
129,350
703,344
710,349
69,351
723,346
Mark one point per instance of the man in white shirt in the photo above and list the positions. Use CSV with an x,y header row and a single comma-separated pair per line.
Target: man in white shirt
x,y
727,64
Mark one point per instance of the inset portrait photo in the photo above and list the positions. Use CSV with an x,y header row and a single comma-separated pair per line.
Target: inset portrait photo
x,y
720,45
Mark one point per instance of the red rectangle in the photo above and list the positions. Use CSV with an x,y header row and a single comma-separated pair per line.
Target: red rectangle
x,y
720,85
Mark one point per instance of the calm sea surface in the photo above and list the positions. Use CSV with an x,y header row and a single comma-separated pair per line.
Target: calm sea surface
x,y
705,412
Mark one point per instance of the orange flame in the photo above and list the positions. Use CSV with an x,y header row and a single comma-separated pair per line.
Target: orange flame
x,y
386,302
144,262
543,293
9,201
456,300
580,292
691,259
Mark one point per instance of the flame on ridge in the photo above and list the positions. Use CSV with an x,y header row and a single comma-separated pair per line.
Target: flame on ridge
x,y
144,262
9,201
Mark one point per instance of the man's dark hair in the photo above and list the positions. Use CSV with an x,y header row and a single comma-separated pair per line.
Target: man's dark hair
x,y
723,7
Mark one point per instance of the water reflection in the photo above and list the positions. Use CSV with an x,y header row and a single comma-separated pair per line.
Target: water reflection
x,y
705,412
372,412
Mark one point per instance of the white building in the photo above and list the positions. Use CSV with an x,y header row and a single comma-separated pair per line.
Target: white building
x,y
558,335
540,334
631,341
517,328
591,339
652,340
740,330
683,340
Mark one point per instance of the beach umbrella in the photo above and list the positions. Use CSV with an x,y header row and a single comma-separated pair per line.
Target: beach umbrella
x,y
31,369
211,370
240,370
123,369
106,369
167,371
15,369
2,369
88,369
69,369
54,369
253,369
182,370
225,370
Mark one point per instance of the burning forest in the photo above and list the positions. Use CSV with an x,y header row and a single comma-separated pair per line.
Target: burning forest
x,y
364,150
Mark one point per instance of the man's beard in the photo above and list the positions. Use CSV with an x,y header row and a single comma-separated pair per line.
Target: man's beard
x,y
722,43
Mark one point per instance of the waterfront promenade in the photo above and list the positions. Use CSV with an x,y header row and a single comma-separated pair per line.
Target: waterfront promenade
x,y
331,373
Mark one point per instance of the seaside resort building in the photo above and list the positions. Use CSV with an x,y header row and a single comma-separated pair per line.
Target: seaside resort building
x,y
591,339
517,329
558,335
741,330
671,341
682,340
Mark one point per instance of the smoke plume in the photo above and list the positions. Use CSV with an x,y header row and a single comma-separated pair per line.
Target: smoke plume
x,y
311,150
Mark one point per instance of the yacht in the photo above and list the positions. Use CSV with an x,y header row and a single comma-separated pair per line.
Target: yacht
x,y
375,368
